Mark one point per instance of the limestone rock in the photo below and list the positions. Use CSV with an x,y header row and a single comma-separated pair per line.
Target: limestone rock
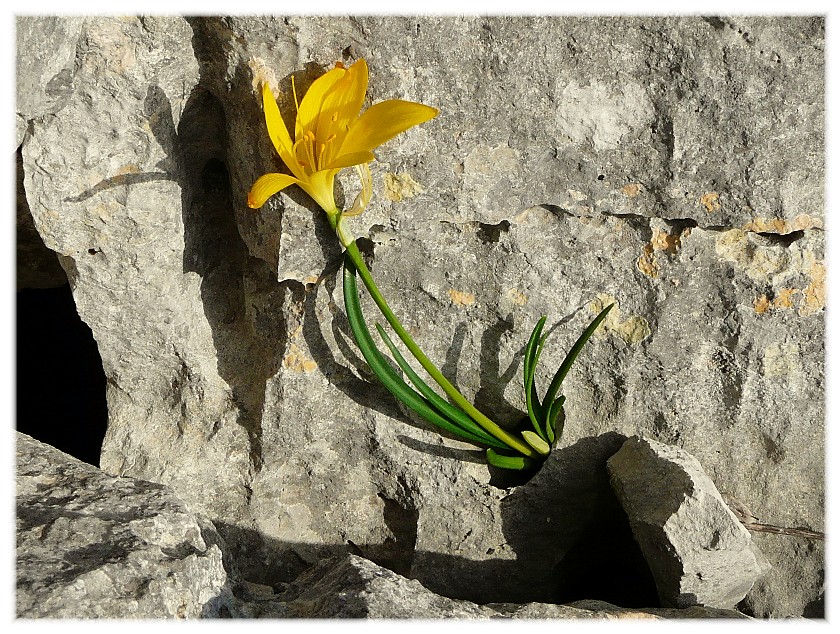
x,y
353,587
37,266
656,161
44,66
93,545
698,551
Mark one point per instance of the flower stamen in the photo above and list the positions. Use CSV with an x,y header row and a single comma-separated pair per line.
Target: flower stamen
x,y
303,160
309,146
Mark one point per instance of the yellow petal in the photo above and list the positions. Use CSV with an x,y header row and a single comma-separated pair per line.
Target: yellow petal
x,y
349,160
320,188
341,107
382,122
266,186
278,132
307,116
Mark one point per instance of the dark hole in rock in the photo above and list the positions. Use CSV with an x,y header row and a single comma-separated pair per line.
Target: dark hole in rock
x,y
60,381
489,233
715,22
508,478
680,224
783,239
367,247
396,553
607,564
816,608
571,536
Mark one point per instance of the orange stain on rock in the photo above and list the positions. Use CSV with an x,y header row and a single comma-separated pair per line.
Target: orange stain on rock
x,y
710,201
461,298
631,190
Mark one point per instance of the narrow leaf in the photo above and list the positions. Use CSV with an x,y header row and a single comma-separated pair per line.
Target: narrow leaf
x,y
529,363
553,414
353,255
517,463
572,355
386,374
451,412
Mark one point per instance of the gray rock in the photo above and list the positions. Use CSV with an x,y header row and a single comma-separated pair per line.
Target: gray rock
x,y
44,66
353,587
575,161
93,545
605,610
37,266
698,551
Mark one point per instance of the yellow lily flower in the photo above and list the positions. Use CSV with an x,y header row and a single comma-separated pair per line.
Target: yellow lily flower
x,y
331,134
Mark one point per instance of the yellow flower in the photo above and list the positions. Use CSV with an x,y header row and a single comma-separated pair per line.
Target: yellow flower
x,y
330,135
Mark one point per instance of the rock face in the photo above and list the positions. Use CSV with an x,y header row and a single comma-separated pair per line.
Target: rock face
x,y
353,587
672,165
698,551
94,545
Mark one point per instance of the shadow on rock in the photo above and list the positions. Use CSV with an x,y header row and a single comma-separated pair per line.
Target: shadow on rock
x,y
570,535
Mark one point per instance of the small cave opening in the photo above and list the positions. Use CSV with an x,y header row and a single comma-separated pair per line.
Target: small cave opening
x,y
606,564
60,386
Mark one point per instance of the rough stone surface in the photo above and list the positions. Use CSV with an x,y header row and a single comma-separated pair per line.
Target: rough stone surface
x,y
353,587
698,551
674,165
93,545
37,266
44,73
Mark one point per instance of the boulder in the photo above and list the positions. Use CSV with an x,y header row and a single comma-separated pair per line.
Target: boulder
x,y
698,551
92,545
353,587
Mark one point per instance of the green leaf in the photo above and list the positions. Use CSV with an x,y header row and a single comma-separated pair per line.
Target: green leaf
x,y
533,349
537,442
386,374
354,257
553,414
572,355
451,412
517,463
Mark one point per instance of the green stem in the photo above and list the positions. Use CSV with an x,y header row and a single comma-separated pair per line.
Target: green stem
x,y
492,428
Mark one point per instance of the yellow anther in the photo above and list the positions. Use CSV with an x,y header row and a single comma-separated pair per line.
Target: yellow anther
x,y
308,158
335,117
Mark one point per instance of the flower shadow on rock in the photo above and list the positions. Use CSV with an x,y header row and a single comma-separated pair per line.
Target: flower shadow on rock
x,y
247,339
